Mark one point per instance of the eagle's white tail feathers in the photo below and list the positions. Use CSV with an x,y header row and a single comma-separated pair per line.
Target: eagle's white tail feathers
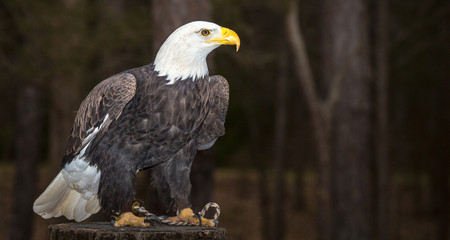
x,y
93,205
59,199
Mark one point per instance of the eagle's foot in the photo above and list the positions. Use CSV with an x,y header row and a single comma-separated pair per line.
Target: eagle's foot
x,y
187,216
129,219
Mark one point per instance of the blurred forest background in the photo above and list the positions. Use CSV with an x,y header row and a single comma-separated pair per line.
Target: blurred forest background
x,y
338,125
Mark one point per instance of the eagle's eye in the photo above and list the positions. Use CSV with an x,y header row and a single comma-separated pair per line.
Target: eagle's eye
x,y
205,32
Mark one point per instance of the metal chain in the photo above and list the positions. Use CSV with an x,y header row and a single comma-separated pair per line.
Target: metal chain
x,y
139,209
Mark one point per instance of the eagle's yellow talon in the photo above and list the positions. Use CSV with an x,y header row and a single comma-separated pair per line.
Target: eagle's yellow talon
x,y
129,219
187,215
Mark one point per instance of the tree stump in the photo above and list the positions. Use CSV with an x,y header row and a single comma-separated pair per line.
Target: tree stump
x,y
103,230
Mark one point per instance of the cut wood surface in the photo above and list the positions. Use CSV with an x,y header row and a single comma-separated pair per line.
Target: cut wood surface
x,y
103,230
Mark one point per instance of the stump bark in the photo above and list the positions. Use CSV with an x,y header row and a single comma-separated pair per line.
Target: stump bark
x,y
103,230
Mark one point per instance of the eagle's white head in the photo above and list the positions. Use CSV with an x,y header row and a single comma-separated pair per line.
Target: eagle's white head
x,y
183,54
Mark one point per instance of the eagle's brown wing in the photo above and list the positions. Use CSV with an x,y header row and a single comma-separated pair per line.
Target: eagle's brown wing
x,y
214,124
100,108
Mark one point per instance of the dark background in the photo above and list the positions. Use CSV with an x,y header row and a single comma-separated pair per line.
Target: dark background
x,y
338,124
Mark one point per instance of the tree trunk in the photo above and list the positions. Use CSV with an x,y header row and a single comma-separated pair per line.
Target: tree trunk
x,y
320,112
168,15
171,14
344,186
348,56
382,129
64,91
27,151
440,154
279,150
61,115
263,181
305,158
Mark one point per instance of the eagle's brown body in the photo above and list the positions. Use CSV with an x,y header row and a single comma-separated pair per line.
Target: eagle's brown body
x,y
150,124
155,116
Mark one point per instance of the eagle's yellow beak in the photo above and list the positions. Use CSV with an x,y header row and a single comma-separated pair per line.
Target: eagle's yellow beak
x,y
229,37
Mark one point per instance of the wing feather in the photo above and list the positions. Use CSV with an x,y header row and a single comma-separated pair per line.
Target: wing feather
x,y
100,108
214,124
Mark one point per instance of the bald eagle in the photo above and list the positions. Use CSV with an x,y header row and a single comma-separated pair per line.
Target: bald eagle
x,y
155,116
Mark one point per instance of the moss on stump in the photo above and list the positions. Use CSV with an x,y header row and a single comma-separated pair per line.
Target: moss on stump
x,y
103,230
